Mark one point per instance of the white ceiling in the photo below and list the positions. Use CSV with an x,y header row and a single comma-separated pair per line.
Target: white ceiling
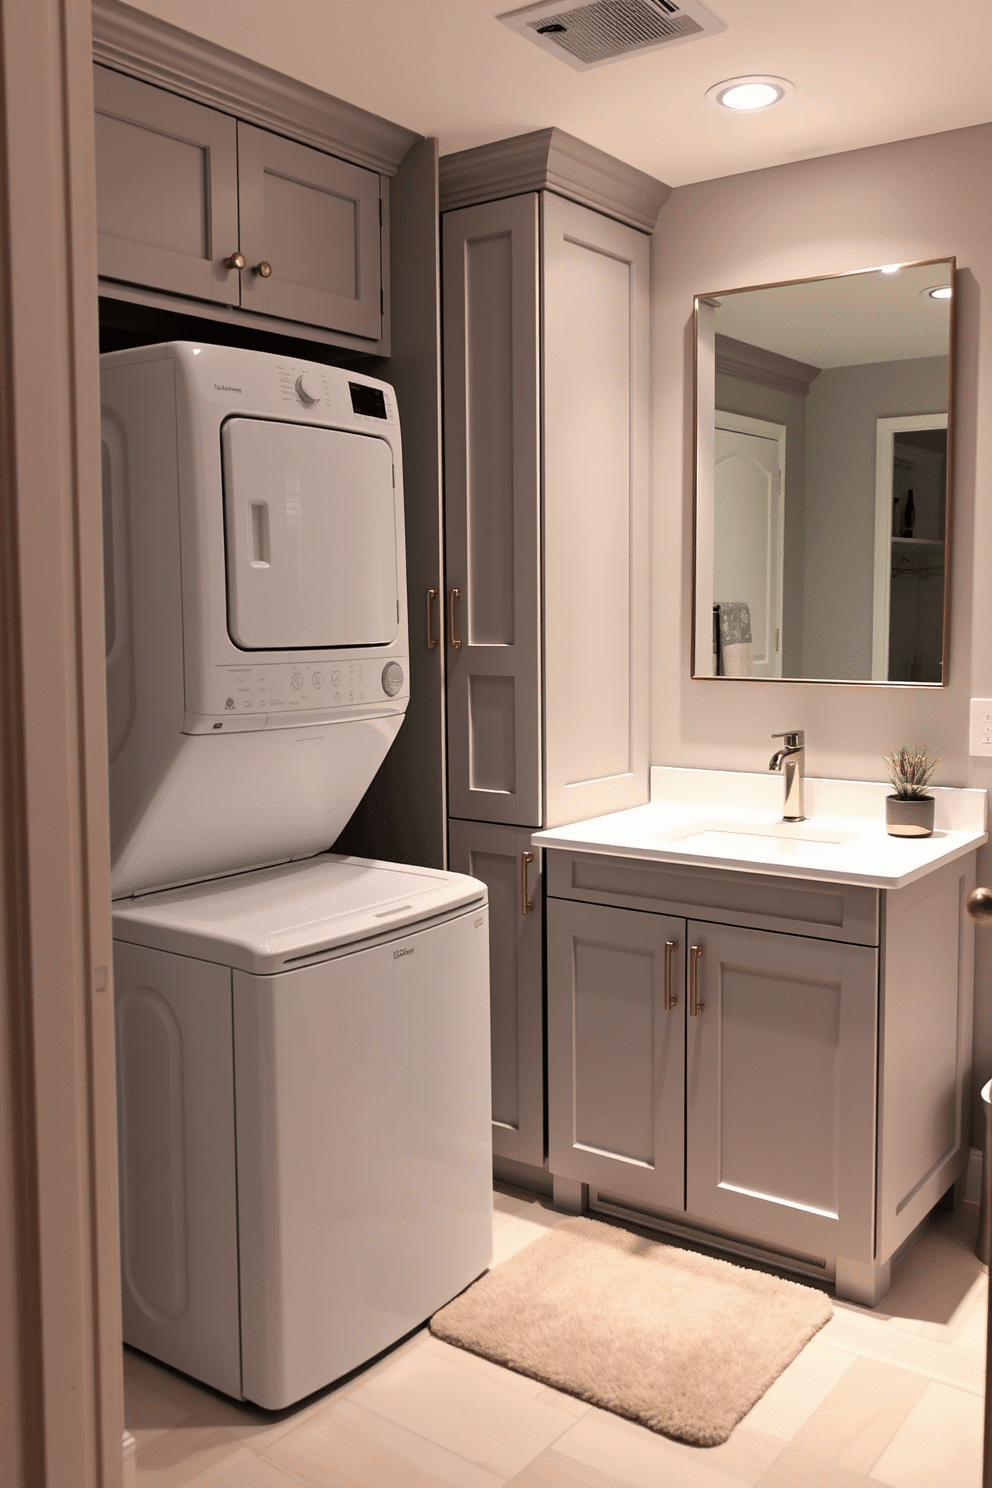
x,y
865,72
846,321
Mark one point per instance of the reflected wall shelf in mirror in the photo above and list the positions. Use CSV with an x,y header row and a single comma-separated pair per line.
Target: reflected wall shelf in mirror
x,y
824,422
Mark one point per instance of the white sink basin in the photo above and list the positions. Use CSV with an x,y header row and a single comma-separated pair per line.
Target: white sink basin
x,y
721,836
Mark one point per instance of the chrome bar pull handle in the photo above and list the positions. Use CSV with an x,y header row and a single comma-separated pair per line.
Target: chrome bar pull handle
x,y
431,639
453,596
671,997
695,1006
526,905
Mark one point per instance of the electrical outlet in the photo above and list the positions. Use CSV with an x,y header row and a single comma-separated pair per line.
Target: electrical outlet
x,y
981,726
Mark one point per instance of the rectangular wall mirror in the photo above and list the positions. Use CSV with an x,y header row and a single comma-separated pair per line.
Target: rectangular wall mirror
x,y
822,478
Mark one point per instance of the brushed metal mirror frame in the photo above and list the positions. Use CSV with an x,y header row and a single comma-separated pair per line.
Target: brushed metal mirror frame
x,y
950,262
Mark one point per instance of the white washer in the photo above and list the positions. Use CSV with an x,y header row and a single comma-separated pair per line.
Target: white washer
x,y
303,1082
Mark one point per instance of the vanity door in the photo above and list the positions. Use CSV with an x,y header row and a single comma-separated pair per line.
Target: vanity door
x,y
780,1089
616,1046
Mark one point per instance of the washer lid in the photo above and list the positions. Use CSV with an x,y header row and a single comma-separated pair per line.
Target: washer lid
x,y
273,919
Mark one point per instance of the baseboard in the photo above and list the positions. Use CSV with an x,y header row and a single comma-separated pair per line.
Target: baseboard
x,y
522,1175
973,1177
130,1447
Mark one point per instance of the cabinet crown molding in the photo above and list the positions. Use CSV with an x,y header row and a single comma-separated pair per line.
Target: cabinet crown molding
x,y
768,368
551,160
145,47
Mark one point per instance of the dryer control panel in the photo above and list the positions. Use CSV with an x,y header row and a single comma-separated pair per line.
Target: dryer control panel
x,y
286,694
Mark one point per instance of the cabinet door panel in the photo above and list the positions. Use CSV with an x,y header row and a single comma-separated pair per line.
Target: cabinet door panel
x,y
167,190
493,532
516,990
595,403
615,1055
780,1109
315,219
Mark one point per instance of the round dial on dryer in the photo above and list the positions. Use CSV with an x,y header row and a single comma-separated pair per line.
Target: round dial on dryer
x,y
392,678
307,389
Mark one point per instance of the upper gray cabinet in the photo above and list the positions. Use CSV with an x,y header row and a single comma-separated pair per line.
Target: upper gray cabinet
x,y
182,190
545,295
166,189
315,221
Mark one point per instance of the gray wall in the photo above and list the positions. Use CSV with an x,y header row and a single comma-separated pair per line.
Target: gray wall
x,y
911,200
840,502
736,395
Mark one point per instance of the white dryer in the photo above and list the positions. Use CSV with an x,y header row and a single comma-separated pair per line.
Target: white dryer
x,y
256,605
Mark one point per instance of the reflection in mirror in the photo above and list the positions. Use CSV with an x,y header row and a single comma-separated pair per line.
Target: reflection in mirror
x,y
821,519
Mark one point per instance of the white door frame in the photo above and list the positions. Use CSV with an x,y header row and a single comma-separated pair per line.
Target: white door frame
x,y
886,430
740,423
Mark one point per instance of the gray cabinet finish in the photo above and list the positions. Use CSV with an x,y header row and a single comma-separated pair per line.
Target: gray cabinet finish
x,y
493,854
546,372
546,542
780,1090
825,1071
167,190
595,455
493,517
616,1055
315,220
182,187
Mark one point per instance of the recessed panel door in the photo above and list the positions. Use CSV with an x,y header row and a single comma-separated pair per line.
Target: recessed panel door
x,y
493,511
166,190
616,1043
502,857
310,232
311,537
780,1089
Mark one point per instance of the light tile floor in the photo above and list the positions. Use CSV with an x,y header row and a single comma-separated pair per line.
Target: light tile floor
x,y
891,1396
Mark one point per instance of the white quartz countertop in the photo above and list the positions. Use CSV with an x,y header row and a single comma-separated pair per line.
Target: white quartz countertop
x,y
732,820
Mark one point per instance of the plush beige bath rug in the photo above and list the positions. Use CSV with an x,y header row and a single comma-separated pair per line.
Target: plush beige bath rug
x,y
681,1342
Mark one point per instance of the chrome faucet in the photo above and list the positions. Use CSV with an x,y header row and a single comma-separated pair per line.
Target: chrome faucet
x,y
791,760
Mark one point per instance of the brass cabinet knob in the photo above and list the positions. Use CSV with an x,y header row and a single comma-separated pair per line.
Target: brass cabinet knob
x,y
262,269
235,261
980,905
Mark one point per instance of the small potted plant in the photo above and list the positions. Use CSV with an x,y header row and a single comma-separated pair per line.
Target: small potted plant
x,y
909,810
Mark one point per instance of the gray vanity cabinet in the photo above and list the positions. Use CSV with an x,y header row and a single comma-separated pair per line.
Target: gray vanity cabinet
x,y
182,187
799,1091
743,1104
498,855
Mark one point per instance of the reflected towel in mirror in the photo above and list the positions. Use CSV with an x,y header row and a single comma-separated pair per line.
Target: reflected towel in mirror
x,y
732,639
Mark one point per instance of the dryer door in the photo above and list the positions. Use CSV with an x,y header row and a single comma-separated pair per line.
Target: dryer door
x,y
309,518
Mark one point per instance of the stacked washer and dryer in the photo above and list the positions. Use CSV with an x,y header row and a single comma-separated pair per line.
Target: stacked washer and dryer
x,y
302,1038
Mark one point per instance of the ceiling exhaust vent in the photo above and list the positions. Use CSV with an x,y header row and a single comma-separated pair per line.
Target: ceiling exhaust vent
x,y
587,35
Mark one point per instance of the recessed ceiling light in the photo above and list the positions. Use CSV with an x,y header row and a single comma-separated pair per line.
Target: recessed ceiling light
x,y
891,268
746,95
938,292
